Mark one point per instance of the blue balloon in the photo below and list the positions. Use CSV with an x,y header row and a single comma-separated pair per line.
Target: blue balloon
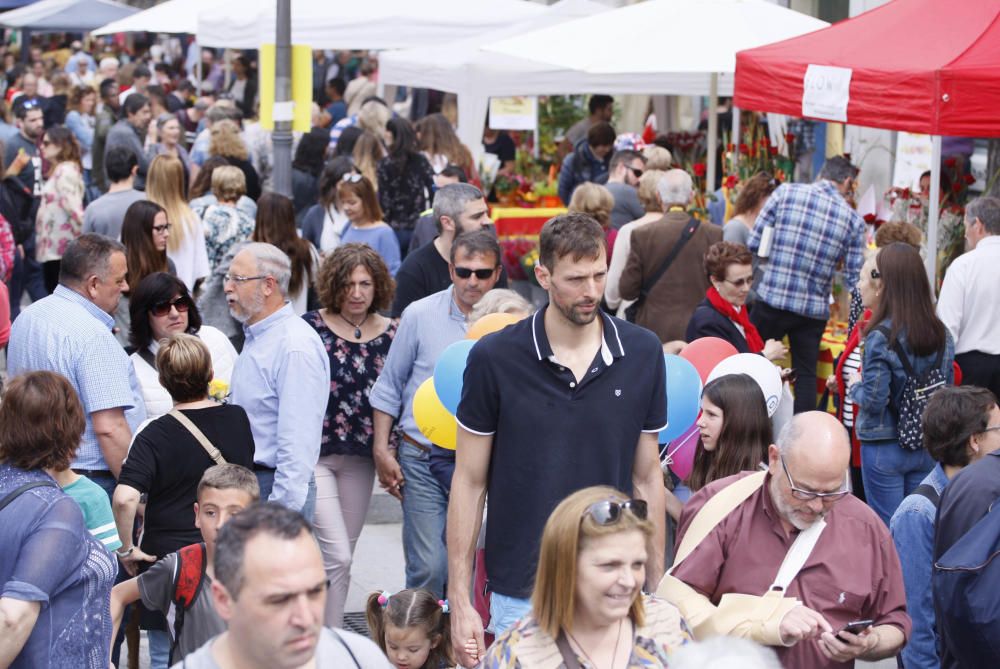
x,y
448,373
683,397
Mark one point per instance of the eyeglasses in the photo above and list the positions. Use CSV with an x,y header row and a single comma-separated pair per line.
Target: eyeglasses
x,y
609,511
481,274
739,283
236,278
990,429
161,228
351,178
876,274
180,303
809,495
46,142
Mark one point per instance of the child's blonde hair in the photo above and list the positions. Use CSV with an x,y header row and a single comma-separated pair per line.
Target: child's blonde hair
x,y
412,608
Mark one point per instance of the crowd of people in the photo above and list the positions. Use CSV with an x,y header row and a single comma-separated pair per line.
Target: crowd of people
x,y
210,378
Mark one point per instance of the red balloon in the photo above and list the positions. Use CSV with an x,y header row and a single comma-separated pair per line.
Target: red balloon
x,y
706,353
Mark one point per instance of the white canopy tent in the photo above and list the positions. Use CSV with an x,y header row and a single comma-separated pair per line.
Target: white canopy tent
x,y
369,24
674,41
171,17
65,15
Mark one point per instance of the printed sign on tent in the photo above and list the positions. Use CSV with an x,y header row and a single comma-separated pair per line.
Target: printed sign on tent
x,y
516,113
825,92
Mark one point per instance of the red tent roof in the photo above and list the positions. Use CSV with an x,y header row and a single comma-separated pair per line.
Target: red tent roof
x,y
928,66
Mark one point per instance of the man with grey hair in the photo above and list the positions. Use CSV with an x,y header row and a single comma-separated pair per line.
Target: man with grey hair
x,y
968,304
69,332
793,557
270,588
282,377
458,208
665,268
805,231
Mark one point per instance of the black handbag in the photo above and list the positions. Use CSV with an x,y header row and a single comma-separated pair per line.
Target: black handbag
x,y
633,309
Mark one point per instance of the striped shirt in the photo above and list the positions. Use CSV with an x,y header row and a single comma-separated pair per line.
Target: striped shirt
x,y
96,507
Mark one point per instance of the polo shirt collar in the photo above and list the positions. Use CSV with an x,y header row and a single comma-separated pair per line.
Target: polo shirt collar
x,y
611,343
71,295
989,240
454,313
260,327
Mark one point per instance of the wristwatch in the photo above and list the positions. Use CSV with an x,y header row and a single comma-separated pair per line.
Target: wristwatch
x,y
124,554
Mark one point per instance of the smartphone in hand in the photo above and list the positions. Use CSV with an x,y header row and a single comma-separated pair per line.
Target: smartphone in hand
x,y
856,626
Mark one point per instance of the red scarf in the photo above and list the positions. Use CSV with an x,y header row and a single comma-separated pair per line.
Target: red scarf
x,y
741,318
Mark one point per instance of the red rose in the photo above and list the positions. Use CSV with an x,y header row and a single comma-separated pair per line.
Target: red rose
x,y
789,137
731,181
744,149
950,162
730,147
907,194
869,218
969,179
699,169
773,150
957,186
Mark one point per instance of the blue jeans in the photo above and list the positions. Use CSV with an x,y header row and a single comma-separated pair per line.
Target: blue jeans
x,y
159,649
425,511
265,480
505,611
890,473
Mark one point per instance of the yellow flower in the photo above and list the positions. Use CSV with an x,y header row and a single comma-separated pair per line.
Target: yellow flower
x,y
218,389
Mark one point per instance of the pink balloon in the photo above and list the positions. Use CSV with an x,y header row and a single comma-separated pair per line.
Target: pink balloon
x,y
706,353
681,452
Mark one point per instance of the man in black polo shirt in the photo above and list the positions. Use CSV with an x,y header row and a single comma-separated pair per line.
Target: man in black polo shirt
x,y
458,208
565,399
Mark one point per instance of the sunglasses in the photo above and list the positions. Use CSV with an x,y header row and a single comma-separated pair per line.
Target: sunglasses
x,y
351,178
481,274
609,511
180,303
740,282
636,172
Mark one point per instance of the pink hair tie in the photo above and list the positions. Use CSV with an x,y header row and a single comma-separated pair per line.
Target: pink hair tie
x,y
445,608
383,598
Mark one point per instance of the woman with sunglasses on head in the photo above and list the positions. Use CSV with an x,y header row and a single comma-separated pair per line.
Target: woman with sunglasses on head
x,y
723,313
904,340
323,224
356,195
160,306
60,209
588,606
353,285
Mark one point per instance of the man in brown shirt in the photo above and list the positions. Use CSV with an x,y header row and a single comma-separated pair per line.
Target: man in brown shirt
x,y
672,300
852,572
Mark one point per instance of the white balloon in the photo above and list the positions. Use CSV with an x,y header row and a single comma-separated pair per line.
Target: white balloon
x,y
760,369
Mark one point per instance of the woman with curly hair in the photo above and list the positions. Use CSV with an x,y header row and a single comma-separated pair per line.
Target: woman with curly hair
x,y
60,211
354,285
227,142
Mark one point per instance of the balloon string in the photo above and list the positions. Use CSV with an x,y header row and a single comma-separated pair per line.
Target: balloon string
x,y
681,445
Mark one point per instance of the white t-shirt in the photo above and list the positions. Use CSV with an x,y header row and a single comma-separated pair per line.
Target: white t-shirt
x,y
191,258
330,652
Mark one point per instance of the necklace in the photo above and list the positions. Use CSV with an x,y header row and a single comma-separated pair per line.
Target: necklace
x,y
357,326
614,655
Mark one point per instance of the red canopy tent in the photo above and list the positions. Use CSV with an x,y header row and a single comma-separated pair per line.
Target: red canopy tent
x,y
925,66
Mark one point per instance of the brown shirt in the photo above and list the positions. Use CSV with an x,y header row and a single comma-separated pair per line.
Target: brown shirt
x,y
853,572
671,302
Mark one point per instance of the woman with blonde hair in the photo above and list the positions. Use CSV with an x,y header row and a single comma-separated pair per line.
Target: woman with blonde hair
x,y
226,224
60,210
227,142
587,605
442,147
596,201
186,243
368,150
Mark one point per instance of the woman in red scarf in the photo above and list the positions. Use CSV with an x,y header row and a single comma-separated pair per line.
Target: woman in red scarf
x,y
723,312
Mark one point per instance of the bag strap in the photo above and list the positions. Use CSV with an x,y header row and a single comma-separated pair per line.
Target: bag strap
x,y
23,489
714,511
688,233
346,647
148,356
569,657
212,451
797,555
928,491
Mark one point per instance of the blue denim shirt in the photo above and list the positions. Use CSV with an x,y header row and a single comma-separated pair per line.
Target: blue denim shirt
x,y
882,379
912,528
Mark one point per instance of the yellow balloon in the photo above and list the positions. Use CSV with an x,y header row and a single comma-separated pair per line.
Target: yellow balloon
x,y
490,323
432,418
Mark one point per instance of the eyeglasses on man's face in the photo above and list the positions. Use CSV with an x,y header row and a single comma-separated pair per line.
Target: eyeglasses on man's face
x,y
236,278
810,495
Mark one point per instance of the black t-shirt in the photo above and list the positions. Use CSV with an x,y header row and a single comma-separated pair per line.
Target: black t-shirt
x,y
31,175
502,147
424,272
167,462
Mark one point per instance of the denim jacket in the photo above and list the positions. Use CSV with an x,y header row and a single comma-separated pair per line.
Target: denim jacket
x,y
912,528
882,379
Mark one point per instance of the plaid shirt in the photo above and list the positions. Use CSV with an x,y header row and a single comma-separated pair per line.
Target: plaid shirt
x,y
814,229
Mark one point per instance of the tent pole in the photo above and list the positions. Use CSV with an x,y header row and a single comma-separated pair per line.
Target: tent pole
x,y
933,209
713,132
282,137
734,136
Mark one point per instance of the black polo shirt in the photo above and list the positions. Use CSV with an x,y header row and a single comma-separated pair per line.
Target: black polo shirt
x,y
552,435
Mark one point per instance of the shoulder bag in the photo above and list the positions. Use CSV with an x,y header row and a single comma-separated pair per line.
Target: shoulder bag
x,y
633,309
212,451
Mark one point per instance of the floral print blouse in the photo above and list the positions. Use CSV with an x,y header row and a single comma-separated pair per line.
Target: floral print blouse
x,y
60,212
225,226
348,427
404,192
527,645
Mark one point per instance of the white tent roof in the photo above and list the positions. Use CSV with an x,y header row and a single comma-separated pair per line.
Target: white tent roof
x,y
368,24
172,16
669,37
65,15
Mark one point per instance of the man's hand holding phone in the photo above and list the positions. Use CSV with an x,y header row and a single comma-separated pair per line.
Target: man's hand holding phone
x,y
853,640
